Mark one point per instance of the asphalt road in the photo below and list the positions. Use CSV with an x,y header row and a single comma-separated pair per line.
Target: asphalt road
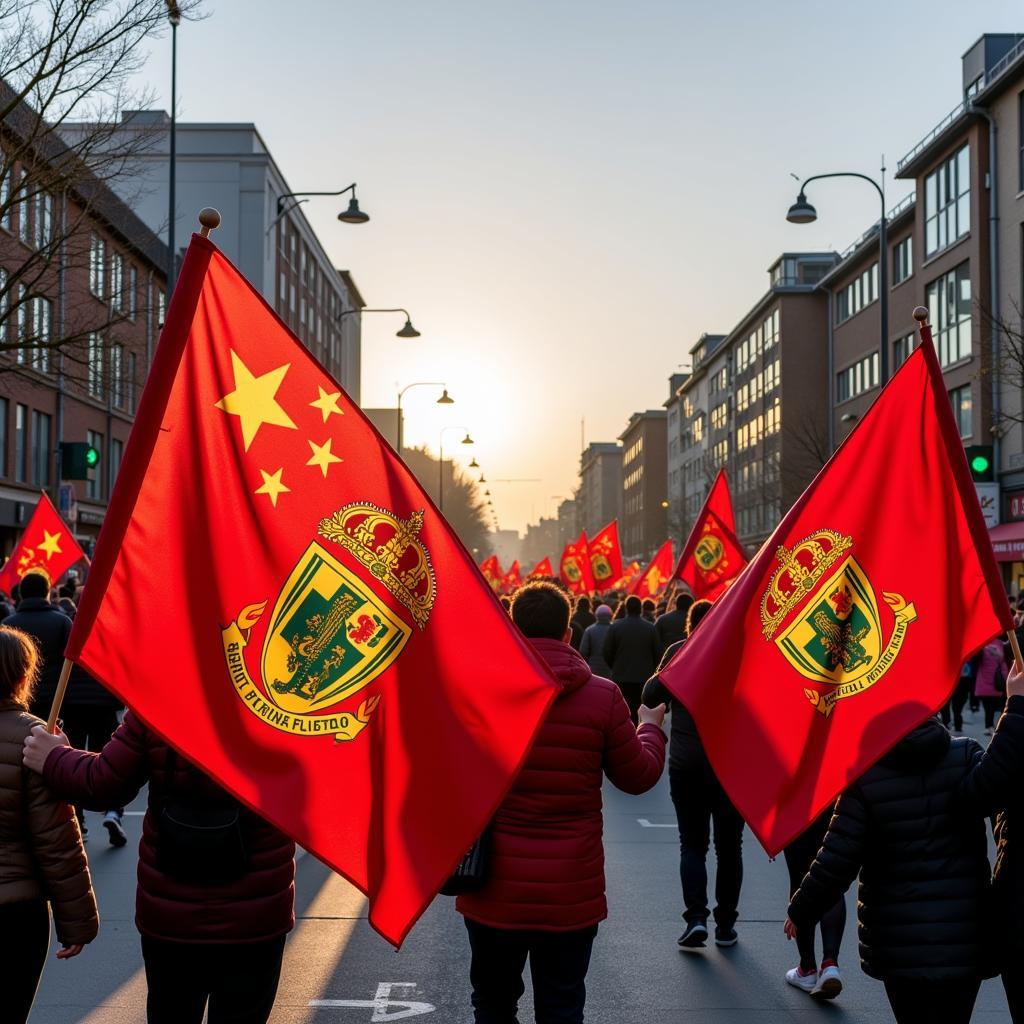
x,y
338,971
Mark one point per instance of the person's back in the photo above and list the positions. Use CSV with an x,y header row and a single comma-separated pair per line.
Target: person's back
x,y
631,650
545,888
592,644
671,626
922,856
50,627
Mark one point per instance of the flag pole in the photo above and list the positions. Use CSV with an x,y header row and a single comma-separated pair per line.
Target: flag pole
x,y
925,331
58,697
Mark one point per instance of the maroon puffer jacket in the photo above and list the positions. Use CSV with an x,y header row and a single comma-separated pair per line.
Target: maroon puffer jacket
x,y
546,869
256,907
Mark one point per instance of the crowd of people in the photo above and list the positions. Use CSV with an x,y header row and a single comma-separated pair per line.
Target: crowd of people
x,y
215,896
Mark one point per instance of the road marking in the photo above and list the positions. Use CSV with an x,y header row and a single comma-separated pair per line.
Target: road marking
x,y
644,823
381,1003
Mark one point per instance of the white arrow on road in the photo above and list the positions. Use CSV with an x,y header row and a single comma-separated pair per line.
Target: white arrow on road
x,y
653,824
381,1003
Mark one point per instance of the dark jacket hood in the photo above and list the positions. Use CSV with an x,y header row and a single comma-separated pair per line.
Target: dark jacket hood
x,y
565,662
921,749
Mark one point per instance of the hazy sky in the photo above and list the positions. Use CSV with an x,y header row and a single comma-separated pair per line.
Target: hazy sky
x,y
567,193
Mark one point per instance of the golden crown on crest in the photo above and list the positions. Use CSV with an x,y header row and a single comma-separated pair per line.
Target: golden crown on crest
x,y
799,571
390,548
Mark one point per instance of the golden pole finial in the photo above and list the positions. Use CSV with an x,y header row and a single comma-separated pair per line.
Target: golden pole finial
x,y
209,218
921,314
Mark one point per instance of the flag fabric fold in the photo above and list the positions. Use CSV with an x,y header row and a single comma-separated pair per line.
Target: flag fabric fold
x,y
605,557
275,595
512,579
652,580
47,546
574,569
491,568
541,570
852,622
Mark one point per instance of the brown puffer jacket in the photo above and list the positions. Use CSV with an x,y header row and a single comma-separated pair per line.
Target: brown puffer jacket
x,y
41,852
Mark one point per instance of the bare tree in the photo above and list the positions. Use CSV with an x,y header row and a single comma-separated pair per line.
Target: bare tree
x,y
65,73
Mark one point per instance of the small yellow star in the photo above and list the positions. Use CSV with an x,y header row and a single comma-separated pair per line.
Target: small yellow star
x,y
27,557
50,545
322,455
327,403
253,400
272,486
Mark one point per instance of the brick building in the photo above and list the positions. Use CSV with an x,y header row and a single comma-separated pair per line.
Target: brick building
x,y
643,527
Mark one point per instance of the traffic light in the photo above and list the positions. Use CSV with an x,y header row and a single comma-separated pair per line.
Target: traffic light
x,y
76,459
979,460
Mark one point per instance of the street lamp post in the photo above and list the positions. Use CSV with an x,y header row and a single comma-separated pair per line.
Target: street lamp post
x,y
440,461
353,215
802,212
407,331
174,17
445,399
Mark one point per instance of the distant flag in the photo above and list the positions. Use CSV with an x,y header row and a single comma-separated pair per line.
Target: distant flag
x,y
712,556
605,557
652,580
291,612
47,545
575,566
629,575
543,569
851,624
491,568
512,579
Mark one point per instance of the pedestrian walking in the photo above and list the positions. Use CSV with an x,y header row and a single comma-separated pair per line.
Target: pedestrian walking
x,y
545,890
42,860
954,708
631,650
216,890
990,681
921,852
582,618
649,610
592,644
700,803
671,626
826,982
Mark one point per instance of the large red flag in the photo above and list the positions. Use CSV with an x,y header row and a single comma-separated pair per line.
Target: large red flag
x,y
512,579
606,556
628,577
491,568
274,593
653,579
851,624
712,556
575,566
47,545
542,569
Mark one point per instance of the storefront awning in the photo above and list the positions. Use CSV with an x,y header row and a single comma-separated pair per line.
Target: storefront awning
x,y
1008,541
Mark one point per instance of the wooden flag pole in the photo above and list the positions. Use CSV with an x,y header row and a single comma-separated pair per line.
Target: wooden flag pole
x,y
58,697
1011,635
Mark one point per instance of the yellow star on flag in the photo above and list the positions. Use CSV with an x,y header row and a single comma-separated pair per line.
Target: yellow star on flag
x,y
50,545
327,403
273,486
253,400
322,455
27,557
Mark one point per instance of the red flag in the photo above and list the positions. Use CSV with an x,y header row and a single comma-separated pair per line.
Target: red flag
x,y
606,556
512,579
653,579
712,556
47,545
542,569
851,624
628,577
274,593
575,567
491,568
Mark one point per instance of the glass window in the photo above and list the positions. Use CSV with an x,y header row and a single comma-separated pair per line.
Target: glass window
x,y
95,367
22,317
720,416
901,349
960,399
116,283
857,294
116,458
1020,142
97,266
117,375
21,443
856,379
3,436
5,194
903,260
947,202
42,320
40,448
94,484
44,219
130,382
133,292
949,306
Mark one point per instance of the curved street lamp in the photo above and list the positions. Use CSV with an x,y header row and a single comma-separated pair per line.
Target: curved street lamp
x,y
445,399
352,215
440,461
406,331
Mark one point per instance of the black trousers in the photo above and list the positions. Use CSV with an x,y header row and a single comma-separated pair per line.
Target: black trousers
x,y
1013,985
558,968
700,802
993,706
24,940
956,703
238,980
951,1002
89,728
633,695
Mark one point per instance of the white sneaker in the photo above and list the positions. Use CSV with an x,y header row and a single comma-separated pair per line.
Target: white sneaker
x,y
830,984
804,982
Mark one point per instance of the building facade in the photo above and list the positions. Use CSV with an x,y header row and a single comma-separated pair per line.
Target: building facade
x,y
599,498
228,166
643,527
674,453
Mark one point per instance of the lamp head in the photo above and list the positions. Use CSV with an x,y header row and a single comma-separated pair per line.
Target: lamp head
x,y
408,331
474,464
445,398
353,215
801,212
467,439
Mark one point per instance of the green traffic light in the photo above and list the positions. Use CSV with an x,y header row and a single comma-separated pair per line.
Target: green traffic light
x,y
980,464
92,457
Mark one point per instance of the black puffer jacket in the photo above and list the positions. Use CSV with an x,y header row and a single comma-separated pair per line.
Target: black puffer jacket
x,y
997,784
632,649
921,851
51,628
685,749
